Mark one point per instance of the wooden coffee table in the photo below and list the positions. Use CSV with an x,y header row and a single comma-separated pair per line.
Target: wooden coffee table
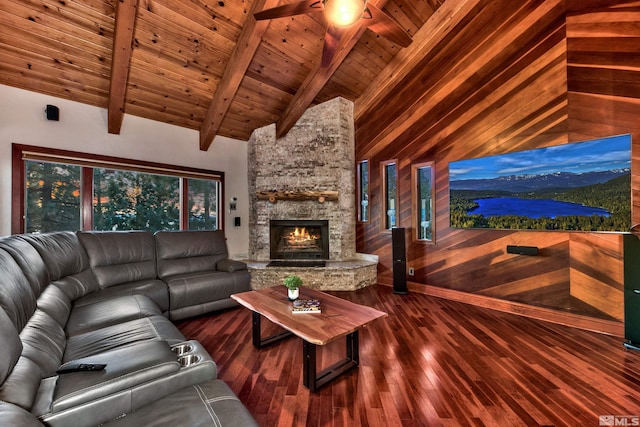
x,y
339,318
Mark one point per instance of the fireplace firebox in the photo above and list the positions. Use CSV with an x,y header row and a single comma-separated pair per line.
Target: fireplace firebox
x,y
299,239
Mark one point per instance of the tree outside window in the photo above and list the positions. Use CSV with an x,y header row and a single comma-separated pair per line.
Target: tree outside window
x,y
127,200
203,204
52,197
423,217
363,191
390,194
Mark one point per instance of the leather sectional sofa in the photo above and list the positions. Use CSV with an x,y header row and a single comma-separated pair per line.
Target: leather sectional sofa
x,y
86,332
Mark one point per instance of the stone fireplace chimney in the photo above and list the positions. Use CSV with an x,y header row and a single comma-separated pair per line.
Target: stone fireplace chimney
x,y
314,159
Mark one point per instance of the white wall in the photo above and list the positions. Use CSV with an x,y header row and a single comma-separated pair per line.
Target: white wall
x,y
84,128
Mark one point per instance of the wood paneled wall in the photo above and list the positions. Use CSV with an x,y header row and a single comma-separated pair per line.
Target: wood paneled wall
x,y
510,76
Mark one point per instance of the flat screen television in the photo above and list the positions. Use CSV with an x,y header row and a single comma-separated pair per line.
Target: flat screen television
x,y
583,186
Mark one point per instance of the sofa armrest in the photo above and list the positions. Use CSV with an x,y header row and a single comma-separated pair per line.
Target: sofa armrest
x,y
229,265
127,367
135,376
205,404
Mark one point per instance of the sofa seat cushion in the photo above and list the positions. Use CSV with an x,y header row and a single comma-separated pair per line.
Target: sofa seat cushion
x,y
211,403
154,289
12,415
108,312
155,328
22,384
196,288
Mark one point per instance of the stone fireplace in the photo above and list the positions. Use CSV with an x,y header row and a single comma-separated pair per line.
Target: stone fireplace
x,y
307,176
317,156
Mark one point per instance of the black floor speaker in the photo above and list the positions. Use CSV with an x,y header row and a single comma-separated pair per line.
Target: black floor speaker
x,y
399,261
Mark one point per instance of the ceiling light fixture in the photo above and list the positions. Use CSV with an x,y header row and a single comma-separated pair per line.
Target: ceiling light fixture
x,y
343,13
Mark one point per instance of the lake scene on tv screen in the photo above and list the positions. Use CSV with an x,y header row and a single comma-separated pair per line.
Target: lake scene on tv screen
x,y
584,186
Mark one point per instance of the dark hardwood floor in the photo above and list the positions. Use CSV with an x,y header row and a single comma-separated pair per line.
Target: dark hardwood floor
x,y
432,362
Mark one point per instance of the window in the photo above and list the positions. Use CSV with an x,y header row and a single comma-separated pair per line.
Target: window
x,y
423,197
52,197
58,190
390,185
363,191
203,204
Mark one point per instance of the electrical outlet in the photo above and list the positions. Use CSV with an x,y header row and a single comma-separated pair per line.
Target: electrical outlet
x,y
411,271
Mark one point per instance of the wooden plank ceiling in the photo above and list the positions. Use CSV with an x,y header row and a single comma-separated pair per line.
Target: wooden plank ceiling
x,y
201,64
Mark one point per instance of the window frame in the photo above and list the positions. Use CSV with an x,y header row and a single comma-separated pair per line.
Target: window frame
x,y
415,211
360,194
385,196
21,153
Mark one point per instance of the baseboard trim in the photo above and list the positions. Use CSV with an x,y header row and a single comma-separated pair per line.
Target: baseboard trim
x,y
602,326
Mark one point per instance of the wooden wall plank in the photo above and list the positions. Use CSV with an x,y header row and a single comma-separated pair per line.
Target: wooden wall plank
x,y
526,75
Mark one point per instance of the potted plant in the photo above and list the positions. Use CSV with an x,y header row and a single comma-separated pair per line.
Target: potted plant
x,y
293,284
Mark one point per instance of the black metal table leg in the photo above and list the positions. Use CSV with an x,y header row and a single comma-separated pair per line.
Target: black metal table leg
x,y
352,347
309,365
258,341
312,379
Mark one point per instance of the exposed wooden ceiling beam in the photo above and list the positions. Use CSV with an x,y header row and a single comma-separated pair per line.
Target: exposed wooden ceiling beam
x,y
316,80
126,12
241,57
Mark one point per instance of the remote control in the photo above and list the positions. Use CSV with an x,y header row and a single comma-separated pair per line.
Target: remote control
x,y
79,367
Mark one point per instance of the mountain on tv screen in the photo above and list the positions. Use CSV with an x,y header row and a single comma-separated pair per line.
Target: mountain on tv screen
x,y
584,186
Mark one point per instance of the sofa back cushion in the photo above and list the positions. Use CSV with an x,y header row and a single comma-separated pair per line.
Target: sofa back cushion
x,y
19,376
29,260
78,285
118,257
43,342
11,347
56,303
181,252
61,251
16,295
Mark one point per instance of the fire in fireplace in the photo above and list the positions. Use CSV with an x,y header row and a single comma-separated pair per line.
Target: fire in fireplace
x,y
299,239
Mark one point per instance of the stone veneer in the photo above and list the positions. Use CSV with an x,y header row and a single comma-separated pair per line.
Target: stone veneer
x,y
317,154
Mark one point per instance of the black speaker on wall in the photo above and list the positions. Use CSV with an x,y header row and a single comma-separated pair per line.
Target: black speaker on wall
x,y
399,254
53,113
522,250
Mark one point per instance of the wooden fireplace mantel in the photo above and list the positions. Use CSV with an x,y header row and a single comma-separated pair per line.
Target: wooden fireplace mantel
x,y
274,196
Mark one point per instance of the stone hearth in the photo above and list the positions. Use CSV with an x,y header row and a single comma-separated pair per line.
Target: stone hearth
x,y
315,157
335,276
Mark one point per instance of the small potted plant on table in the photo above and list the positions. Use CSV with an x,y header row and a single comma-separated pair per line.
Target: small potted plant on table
x,y
293,284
